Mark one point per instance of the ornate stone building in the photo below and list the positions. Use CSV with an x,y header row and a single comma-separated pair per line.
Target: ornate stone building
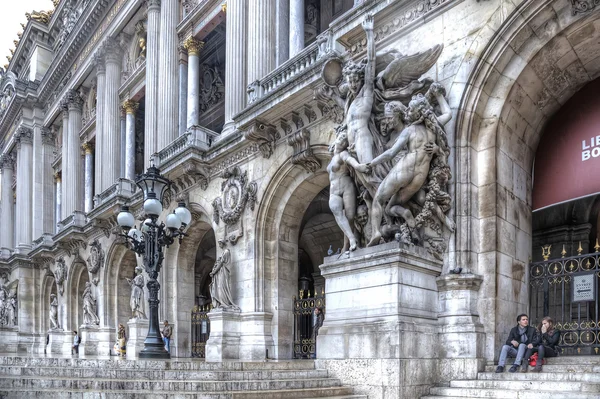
x,y
434,110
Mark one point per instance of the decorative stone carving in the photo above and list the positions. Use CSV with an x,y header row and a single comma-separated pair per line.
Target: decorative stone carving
x,y
7,161
5,98
391,149
90,317
137,295
212,89
53,312
73,100
40,16
96,258
24,134
264,134
193,45
220,290
113,50
60,274
8,302
235,194
48,136
583,6
303,155
189,5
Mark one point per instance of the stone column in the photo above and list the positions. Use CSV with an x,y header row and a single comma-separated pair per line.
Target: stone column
x,y
7,243
58,199
152,56
123,142
235,61
112,113
168,113
65,159
24,139
43,182
74,173
283,31
296,27
130,108
183,82
99,184
193,47
261,39
89,177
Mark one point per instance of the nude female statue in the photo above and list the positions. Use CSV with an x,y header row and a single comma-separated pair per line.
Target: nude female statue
x,y
342,191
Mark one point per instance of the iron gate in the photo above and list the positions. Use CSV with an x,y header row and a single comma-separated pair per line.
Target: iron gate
x,y
305,345
200,330
566,289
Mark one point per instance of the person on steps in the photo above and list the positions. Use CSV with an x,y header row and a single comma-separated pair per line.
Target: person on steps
x,y
519,340
545,343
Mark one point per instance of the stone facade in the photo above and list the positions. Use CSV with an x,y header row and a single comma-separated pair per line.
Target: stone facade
x,y
91,95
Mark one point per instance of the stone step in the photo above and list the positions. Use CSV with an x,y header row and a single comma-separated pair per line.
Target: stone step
x,y
220,375
447,392
540,386
323,393
173,364
543,376
594,360
34,383
558,368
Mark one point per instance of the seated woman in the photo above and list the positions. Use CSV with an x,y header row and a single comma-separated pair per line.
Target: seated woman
x,y
545,343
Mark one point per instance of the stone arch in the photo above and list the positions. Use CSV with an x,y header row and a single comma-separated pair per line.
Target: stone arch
x,y
532,64
286,198
48,287
77,278
120,264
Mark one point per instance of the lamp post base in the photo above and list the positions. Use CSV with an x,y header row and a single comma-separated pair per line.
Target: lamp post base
x,y
154,351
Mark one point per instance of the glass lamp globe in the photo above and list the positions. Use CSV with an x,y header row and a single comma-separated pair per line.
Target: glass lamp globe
x,y
125,219
184,214
135,234
173,222
145,225
152,206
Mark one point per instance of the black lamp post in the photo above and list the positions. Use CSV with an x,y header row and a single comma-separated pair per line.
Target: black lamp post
x,y
149,243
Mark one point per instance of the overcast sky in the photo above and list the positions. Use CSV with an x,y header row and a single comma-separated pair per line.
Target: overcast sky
x,y
12,15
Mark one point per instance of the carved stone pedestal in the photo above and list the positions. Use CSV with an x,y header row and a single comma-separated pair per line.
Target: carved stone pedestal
x,y
461,336
256,338
9,338
96,340
224,341
60,342
138,329
380,331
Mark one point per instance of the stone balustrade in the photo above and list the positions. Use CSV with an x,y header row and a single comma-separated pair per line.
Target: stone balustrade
x,y
196,137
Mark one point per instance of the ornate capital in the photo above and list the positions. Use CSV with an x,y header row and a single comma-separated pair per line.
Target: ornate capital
x,y
112,50
130,107
193,45
57,176
87,147
48,136
73,100
7,161
153,5
99,61
263,134
24,135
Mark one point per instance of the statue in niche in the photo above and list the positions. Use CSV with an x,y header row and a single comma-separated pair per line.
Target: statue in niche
x,y
90,317
8,302
219,286
137,295
53,312
394,127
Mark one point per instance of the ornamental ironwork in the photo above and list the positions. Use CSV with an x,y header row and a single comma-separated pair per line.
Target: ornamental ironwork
x,y
200,330
305,338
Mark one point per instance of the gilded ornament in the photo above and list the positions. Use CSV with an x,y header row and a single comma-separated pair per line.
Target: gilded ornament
x,y
193,45
87,147
224,7
40,16
130,107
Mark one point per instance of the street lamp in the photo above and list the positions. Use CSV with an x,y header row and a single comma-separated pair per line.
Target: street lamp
x,y
149,241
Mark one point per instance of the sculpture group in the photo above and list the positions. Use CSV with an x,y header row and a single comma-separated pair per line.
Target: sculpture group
x,y
389,170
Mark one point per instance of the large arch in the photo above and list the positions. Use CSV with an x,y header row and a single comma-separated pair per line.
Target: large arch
x,y
279,218
77,279
533,62
120,265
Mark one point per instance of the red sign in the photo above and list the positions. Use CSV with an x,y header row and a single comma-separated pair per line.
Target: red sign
x,y
567,161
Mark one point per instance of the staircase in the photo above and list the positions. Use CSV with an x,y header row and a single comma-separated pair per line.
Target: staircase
x,y
568,377
115,378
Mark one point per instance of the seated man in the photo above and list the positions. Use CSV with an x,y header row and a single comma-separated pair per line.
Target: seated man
x,y
519,339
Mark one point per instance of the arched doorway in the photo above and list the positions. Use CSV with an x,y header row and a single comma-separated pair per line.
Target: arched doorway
x,y
78,279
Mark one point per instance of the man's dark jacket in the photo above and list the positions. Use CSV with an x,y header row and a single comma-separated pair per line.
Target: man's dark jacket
x,y
515,336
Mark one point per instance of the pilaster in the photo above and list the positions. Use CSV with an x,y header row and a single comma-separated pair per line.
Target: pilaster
x,y
7,164
152,57
99,184
23,222
73,174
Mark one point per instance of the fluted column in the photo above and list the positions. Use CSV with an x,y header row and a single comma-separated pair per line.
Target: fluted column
x,y
122,119
64,212
99,183
43,183
89,177
152,56
112,114
130,108
296,26
193,47
235,61
183,82
24,139
168,113
261,39
57,199
73,199
7,164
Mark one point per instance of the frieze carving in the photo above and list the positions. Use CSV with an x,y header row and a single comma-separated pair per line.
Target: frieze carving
x,y
263,134
583,6
303,155
60,274
236,193
237,157
212,89
8,301
390,152
96,259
